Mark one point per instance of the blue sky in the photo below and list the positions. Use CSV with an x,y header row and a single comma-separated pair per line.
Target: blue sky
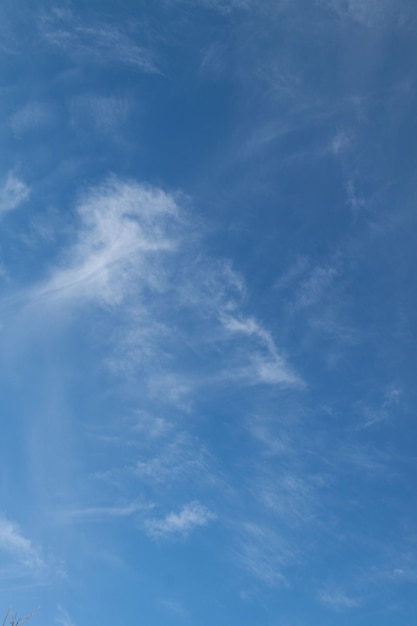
x,y
208,312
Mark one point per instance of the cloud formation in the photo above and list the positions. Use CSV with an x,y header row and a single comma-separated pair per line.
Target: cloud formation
x,y
122,225
96,42
190,517
264,553
63,618
13,193
21,549
267,365
367,12
97,514
31,116
134,240
338,600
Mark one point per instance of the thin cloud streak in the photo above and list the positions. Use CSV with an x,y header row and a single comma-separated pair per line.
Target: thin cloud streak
x,y
264,554
63,618
99,514
366,12
269,368
100,43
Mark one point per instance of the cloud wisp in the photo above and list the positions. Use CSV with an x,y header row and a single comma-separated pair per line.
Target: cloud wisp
x,y
178,331
23,558
266,365
132,241
99,514
98,42
264,554
366,12
63,618
121,226
182,523
338,600
32,116
13,193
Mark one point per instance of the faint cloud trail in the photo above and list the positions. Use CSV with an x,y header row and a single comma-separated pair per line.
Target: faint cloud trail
x,y
13,193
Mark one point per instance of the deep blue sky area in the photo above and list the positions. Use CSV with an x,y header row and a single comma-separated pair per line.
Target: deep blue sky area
x,y
208,312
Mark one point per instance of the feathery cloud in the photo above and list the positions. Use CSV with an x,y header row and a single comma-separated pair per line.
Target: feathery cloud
x,y
105,113
122,225
21,549
98,42
264,554
180,457
337,599
266,365
191,516
13,193
222,6
97,514
367,12
32,115
63,618
133,239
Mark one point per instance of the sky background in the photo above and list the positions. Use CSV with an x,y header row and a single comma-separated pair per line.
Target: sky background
x,y
208,312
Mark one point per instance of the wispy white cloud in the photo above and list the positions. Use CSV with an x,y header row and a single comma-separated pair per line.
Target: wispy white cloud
x,y
12,193
158,455
366,460
122,224
129,238
400,567
273,444
270,371
250,327
96,514
264,554
315,286
338,599
32,116
269,366
382,410
175,607
316,293
222,6
291,497
97,42
20,548
355,200
394,565
190,517
214,60
367,12
105,113
180,457
341,143
151,426
178,327
294,273
63,618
